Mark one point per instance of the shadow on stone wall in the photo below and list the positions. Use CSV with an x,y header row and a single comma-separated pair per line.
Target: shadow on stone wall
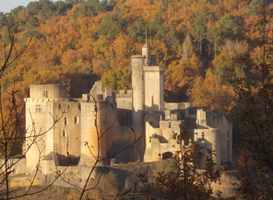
x,y
202,152
121,152
78,83
63,160
124,117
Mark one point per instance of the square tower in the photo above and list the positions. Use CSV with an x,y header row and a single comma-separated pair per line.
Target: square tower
x,y
40,122
154,88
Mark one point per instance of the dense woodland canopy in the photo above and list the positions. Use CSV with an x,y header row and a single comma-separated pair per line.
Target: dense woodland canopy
x,y
206,46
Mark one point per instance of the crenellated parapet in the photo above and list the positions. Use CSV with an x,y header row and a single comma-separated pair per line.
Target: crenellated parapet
x,y
123,93
49,91
177,105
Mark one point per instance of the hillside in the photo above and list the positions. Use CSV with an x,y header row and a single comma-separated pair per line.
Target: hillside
x,y
205,46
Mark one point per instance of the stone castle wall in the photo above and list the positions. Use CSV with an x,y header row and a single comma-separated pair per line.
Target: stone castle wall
x,y
154,87
51,91
216,131
39,130
67,132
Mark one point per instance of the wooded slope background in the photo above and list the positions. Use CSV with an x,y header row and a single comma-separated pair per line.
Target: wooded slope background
x,y
208,47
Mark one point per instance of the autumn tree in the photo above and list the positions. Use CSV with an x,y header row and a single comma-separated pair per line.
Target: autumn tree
x,y
12,130
109,27
213,94
181,73
200,29
254,112
231,63
179,180
227,27
137,30
116,79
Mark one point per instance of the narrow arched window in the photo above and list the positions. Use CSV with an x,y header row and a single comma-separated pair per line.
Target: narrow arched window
x,y
64,133
65,121
76,119
45,93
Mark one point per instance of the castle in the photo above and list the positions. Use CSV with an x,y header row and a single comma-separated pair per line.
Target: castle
x,y
119,126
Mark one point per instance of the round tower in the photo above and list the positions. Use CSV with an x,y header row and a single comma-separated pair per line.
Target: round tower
x,y
102,126
92,126
145,54
137,63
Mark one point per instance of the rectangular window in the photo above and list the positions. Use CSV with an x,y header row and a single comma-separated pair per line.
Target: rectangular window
x,y
45,93
38,108
203,135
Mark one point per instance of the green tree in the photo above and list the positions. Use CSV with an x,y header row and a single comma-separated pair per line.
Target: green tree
x,y
200,28
185,181
137,30
116,79
227,27
156,27
109,27
255,116
88,8
230,65
212,94
187,49
179,180
255,7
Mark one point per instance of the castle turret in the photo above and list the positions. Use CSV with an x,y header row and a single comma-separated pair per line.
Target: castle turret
x,y
103,126
92,125
40,123
137,63
145,53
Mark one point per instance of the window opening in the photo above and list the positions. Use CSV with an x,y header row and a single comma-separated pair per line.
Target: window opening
x,y
76,120
38,108
65,121
45,93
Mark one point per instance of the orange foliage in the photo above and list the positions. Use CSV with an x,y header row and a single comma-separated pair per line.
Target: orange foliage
x,y
212,94
70,42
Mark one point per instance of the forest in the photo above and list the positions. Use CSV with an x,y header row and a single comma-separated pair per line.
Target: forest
x,y
217,54
207,47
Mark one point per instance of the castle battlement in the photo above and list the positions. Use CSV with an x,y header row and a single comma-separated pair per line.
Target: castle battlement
x,y
153,68
176,106
124,93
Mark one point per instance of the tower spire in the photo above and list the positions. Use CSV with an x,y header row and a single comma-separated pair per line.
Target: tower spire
x,y
146,39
